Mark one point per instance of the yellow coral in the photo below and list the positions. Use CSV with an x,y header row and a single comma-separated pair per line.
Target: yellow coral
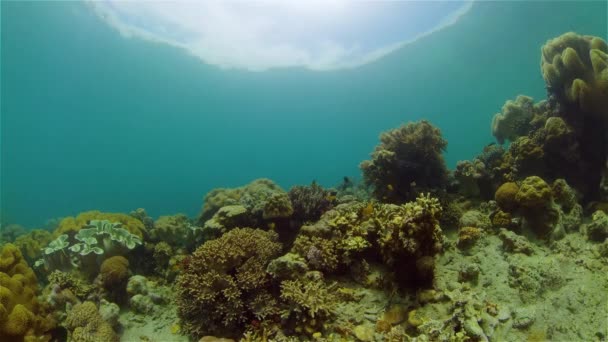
x,y
74,224
20,313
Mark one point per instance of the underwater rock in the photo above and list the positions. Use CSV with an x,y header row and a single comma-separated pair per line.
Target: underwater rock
x,y
597,229
145,296
515,243
475,218
109,312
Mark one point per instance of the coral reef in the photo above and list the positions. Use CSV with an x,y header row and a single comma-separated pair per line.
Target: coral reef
x,y
71,225
86,324
407,161
222,278
21,315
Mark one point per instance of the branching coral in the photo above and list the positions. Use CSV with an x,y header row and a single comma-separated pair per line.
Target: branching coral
x,y
220,279
411,230
408,158
21,316
310,301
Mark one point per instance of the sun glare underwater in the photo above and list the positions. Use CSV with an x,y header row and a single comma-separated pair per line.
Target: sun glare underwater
x,y
303,171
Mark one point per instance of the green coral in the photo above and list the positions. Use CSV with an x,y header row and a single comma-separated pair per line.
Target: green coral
x,y
407,159
215,289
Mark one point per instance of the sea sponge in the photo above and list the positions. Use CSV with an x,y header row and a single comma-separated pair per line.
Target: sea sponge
x,y
514,119
534,193
575,69
71,225
408,159
21,316
114,271
506,196
220,279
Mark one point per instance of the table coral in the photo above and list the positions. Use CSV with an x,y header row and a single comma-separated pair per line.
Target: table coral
x,y
21,316
221,278
407,158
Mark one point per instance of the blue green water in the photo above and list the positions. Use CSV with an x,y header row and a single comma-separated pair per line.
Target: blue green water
x,y
93,120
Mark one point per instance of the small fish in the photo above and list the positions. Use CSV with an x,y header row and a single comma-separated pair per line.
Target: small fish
x,y
413,184
390,187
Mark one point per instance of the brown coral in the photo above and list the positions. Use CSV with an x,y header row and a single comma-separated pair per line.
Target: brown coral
x,y
407,159
506,196
220,279
114,271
